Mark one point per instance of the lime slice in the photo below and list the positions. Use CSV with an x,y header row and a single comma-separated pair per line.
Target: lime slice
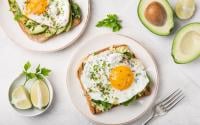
x,y
39,94
185,9
20,98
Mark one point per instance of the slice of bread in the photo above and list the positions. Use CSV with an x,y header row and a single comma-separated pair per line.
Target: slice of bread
x,y
94,109
37,38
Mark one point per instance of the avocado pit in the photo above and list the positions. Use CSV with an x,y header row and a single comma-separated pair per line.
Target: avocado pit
x,y
156,14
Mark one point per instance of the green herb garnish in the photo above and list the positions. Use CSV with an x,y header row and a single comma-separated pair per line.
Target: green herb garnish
x,y
76,11
128,55
112,21
101,105
17,16
38,74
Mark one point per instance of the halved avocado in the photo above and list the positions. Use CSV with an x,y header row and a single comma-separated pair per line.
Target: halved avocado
x,y
156,15
186,44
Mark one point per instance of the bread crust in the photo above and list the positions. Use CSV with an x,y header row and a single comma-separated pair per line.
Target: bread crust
x,y
92,108
38,38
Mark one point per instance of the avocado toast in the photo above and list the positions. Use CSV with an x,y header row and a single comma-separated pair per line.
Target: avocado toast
x,y
99,106
41,32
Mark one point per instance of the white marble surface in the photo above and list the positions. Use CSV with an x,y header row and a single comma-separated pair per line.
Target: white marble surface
x,y
62,112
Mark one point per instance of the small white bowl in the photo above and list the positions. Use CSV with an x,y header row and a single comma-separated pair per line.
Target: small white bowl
x,y
33,111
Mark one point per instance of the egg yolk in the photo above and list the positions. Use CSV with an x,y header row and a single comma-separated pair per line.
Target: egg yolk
x,y
36,7
121,77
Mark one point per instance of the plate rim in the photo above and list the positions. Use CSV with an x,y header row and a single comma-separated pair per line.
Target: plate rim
x,y
51,91
156,87
55,49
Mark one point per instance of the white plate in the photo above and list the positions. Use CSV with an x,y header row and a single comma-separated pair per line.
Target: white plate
x,y
33,111
120,114
14,32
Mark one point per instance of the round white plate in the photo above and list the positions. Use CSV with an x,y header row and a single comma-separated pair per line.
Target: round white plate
x,y
33,111
120,114
14,32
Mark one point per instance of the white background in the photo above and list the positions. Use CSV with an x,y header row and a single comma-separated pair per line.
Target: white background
x,y
62,112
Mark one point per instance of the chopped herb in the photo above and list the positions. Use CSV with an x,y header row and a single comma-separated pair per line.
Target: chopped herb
x,y
104,64
137,74
93,76
95,53
104,106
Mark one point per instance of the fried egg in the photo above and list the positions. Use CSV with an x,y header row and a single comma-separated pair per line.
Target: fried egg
x,y
112,77
53,13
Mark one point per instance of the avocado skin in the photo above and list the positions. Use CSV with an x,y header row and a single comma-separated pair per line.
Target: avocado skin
x,y
149,28
173,53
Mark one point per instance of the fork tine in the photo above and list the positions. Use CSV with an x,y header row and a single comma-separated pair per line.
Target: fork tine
x,y
174,103
167,98
172,98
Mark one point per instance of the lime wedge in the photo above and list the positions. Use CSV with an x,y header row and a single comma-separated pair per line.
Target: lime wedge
x,y
20,98
185,9
39,94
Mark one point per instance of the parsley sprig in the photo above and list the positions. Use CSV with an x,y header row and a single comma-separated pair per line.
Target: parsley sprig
x,y
112,21
38,74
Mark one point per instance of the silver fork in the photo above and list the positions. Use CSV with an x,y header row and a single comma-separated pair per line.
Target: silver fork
x,y
166,105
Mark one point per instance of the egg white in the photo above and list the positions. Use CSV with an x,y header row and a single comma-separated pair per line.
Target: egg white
x,y
57,15
106,61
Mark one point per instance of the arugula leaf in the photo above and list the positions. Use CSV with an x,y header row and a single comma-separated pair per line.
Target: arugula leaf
x,y
112,21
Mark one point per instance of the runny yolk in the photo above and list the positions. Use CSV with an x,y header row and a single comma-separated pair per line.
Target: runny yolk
x,y
36,7
121,77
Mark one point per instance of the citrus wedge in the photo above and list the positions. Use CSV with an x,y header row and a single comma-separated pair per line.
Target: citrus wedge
x,y
39,94
20,98
185,9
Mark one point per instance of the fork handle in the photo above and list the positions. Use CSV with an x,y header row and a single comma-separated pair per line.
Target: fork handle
x,y
149,119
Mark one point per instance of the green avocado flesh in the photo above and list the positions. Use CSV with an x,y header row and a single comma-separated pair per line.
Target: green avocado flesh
x,y
156,15
35,28
186,44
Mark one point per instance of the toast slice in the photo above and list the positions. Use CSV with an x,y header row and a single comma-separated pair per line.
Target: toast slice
x,y
47,32
92,106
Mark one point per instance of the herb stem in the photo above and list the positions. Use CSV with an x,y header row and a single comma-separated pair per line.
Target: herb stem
x,y
25,81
